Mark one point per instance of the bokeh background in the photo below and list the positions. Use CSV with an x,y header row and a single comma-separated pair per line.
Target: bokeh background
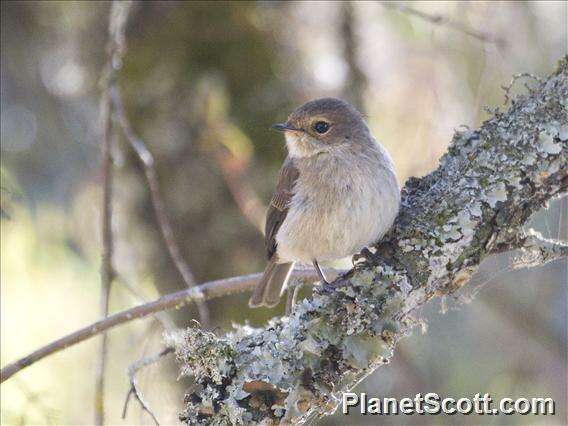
x,y
202,82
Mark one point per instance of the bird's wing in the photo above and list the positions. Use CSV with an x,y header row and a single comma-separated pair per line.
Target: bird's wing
x,y
279,204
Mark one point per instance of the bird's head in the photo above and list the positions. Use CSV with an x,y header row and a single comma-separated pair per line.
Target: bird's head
x,y
323,125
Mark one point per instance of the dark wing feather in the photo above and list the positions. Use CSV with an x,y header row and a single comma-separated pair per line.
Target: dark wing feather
x,y
279,204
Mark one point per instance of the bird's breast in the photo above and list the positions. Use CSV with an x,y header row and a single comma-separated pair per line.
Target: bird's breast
x,y
338,207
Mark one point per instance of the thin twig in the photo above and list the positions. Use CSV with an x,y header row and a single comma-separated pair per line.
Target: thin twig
x,y
147,161
115,49
534,250
206,291
356,80
163,318
444,21
537,250
134,389
107,272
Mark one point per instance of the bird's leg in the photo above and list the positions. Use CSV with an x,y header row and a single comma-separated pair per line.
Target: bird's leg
x,y
320,273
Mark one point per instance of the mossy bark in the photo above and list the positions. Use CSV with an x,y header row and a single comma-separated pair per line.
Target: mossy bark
x,y
488,184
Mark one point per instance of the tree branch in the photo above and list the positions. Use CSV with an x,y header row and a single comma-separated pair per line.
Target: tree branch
x,y
164,319
537,250
488,185
147,161
115,49
206,291
356,78
134,390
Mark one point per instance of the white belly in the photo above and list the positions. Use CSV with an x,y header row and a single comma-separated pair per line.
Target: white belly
x,y
334,220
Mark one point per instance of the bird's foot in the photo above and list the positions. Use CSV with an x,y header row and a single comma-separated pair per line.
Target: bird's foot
x,y
328,287
365,254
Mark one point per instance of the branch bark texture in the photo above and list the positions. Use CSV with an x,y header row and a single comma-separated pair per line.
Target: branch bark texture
x,y
115,49
488,184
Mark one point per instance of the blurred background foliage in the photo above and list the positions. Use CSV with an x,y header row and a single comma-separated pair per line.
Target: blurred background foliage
x,y
202,83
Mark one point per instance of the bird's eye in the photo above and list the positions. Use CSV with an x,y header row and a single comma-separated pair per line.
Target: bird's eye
x,y
321,127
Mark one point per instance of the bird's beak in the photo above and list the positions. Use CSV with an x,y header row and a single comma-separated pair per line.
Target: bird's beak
x,y
284,127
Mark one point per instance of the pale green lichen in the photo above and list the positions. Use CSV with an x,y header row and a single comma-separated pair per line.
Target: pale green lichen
x,y
547,144
359,351
497,193
563,132
201,354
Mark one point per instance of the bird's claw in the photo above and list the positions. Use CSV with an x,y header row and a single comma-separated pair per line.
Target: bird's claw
x,y
328,287
365,254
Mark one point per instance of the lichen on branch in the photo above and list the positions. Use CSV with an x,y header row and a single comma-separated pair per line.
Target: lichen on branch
x,y
487,186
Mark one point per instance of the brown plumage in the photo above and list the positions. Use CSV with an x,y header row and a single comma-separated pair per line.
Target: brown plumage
x,y
267,291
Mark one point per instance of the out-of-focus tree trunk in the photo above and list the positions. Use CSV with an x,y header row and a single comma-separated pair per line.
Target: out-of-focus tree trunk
x,y
356,82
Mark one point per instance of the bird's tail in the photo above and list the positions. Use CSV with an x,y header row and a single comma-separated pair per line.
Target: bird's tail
x,y
267,291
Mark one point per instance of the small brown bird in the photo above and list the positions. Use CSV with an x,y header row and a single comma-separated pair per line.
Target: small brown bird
x,y
337,193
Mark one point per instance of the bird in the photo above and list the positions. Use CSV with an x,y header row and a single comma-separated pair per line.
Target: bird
x,y
337,193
